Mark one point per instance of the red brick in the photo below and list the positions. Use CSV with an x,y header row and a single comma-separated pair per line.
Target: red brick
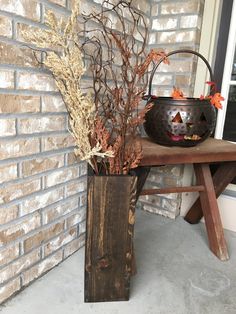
x,y
177,66
19,265
36,81
72,159
6,79
8,172
19,104
25,8
178,37
76,187
160,24
190,21
41,268
42,124
180,7
19,229
5,26
13,191
41,200
8,213
53,104
76,218
9,289
163,79
9,254
143,6
182,80
54,212
19,56
57,142
43,236
57,243
39,165
74,246
8,127
62,175
18,147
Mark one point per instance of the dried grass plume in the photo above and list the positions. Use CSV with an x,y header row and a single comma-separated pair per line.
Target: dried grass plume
x,y
64,59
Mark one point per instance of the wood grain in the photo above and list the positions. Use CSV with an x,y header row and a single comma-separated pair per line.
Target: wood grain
x,y
221,178
205,153
211,150
109,237
211,212
177,189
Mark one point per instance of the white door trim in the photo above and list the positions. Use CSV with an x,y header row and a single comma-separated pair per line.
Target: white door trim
x,y
226,81
209,34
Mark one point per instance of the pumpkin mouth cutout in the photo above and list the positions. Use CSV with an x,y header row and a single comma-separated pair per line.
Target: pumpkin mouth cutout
x,y
184,137
182,129
174,137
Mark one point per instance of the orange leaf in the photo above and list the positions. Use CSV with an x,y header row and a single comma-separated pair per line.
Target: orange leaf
x,y
177,94
216,100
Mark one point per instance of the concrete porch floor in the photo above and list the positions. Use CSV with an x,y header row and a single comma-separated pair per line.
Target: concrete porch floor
x,y
177,274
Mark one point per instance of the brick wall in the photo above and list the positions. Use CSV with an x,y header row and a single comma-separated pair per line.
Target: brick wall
x,y
174,25
42,202
42,186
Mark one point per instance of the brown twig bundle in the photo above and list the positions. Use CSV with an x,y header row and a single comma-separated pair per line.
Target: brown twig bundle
x,y
117,55
105,124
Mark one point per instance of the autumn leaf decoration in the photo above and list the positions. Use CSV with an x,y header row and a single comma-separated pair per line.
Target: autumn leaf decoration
x,y
177,93
215,98
154,56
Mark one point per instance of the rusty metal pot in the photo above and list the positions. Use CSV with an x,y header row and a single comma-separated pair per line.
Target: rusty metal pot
x,y
179,122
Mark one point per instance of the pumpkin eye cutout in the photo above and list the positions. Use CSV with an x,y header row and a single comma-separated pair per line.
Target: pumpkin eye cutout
x,y
203,117
177,118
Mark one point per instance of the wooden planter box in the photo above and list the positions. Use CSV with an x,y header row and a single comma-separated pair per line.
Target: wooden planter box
x,y
109,237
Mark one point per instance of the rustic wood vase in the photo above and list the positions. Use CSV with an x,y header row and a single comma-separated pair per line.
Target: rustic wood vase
x,y
109,252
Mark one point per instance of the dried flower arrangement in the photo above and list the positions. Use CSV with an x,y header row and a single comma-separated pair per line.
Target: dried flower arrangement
x,y
105,122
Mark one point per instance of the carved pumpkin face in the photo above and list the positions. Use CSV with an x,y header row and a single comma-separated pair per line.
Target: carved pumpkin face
x,y
184,123
181,125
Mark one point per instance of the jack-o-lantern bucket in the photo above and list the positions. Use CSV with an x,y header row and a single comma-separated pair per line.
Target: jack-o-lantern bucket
x,y
179,122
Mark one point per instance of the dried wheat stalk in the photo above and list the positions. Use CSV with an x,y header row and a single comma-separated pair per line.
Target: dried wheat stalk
x,y
64,60
104,125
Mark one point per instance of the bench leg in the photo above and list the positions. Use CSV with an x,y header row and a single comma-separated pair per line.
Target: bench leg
x,y
222,177
211,213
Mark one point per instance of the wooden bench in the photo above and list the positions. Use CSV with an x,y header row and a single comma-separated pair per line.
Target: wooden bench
x,y
109,258
208,186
